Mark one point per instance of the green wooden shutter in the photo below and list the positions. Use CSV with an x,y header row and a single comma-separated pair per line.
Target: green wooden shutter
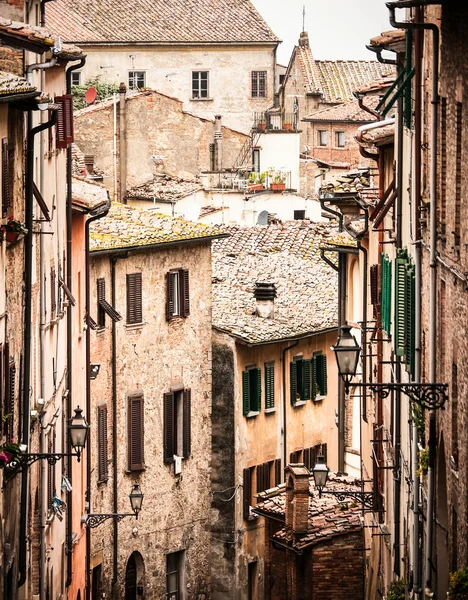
x,y
245,393
269,385
314,376
400,302
293,382
306,369
258,391
386,293
322,374
410,341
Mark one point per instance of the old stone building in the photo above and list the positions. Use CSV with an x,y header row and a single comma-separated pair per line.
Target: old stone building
x,y
150,310
274,382
216,57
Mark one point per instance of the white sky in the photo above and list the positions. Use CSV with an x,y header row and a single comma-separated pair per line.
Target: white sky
x,y
337,28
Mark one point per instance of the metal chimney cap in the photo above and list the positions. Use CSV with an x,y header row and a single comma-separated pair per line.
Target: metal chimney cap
x,y
265,291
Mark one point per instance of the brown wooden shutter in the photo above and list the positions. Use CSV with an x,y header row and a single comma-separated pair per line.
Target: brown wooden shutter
x,y
187,424
293,458
306,459
312,457
7,187
136,438
53,294
169,296
61,130
184,275
278,472
101,294
260,482
134,298
168,433
68,115
2,385
266,476
102,444
247,494
374,284
9,373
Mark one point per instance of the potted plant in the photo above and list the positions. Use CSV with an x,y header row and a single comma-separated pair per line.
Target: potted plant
x,y
278,182
458,586
12,229
287,125
9,453
396,590
261,124
256,182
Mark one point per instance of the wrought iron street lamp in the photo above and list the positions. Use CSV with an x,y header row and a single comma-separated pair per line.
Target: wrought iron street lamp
x,y
347,351
93,520
320,473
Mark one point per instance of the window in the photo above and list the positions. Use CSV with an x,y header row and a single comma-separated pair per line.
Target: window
x,y
247,480
134,299
136,434
177,289
454,404
136,80
256,160
174,576
64,125
259,84
385,293
7,188
177,425
102,443
339,139
51,481
251,390
299,379
199,84
319,376
281,79
103,306
299,215
458,174
404,309
443,165
53,294
322,137
269,385
252,581
76,78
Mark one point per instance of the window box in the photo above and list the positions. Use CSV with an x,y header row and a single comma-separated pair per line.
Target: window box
x,y
277,187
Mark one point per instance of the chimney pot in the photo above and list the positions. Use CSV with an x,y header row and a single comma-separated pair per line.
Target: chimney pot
x,y
265,294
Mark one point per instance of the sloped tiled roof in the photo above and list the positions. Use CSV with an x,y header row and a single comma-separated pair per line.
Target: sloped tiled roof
x,y
159,21
327,518
41,37
164,188
335,80
348,111
79,164
12,85
287,255
394,39
87,195
127,227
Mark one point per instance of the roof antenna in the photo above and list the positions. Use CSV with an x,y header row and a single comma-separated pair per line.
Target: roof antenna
x,y
303,17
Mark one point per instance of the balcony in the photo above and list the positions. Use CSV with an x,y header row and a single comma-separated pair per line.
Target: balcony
x,y
270,121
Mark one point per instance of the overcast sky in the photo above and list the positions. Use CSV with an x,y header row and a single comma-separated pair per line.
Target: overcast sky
x,y
337,28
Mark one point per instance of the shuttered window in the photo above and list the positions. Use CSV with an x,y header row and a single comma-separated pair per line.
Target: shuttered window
x,y
278,472
103,306
269,385
136,437
64,125
103,473
319,375
7,182
134,299
374,289
300,379
259,79
9,392
177,425
247,495
385,293
251,390
410,309
53,294
51,480
264,472
400,302
177,294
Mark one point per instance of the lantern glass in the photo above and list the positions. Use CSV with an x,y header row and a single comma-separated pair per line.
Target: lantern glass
x,y
136,499
78,430
347,352
320,472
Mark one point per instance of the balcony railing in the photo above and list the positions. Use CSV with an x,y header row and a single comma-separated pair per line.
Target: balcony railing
x,y
275,121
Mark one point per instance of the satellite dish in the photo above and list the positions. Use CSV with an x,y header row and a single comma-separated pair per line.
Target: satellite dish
x,y
263,218
90,95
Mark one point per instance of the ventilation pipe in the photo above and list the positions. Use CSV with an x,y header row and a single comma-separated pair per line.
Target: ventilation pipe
x,y
218,144
123,142
265,294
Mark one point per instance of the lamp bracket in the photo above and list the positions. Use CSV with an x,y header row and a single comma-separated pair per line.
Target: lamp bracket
x,y
26,460
93,520
365,498
426,395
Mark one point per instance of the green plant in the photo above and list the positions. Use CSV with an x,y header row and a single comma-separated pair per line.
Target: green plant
x,y
9,452
396,590
423,461
253,177
13,225
263,176
278,177
417,416
104,90
458,586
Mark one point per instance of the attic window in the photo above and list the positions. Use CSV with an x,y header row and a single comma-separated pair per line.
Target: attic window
x,y
199,84
136,80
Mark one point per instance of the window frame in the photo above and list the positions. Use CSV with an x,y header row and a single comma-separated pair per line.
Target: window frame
x,y
179,593
76,75
300,398
136,74
251,407
337,139
197,92
177,294
258,88
324,133
170,429
134,299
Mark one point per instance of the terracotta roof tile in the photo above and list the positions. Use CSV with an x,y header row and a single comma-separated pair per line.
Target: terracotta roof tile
x,y
164,188
348,111
390,39
159,21
287,255
127,227
87,195
11,85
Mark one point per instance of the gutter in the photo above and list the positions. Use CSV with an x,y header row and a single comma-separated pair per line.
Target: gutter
x,y
283,385
364,128
288,339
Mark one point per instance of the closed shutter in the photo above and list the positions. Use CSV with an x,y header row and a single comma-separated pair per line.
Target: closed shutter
x,y
278,472
10,386
169,296
410,320
386,293
245,393
53,294
134,298
266,475
185,292
374,285
50,475
187,426
306,379
293,382
321,361
260,479
400,302
61,130
247,494
2,386
258,390
293,458
168,427
314,376
102,443
312,457
7,187
324,452
306,457
136,438
269,385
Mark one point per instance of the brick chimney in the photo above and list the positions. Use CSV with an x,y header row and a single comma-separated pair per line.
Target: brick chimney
x,y
265,294
297,499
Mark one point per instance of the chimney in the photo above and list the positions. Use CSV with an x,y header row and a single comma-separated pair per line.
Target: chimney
x,y
265,294
297,500
218,142
304,39
89,163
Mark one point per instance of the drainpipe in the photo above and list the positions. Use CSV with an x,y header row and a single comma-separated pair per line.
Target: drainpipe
x,y
378,52
218,141
342,291
69,221
45,65
285,450
123,142
28,257
433,265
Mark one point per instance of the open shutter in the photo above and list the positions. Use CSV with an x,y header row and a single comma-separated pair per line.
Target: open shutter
x,y
410,320
10,386
314,376
278,472
266,476
7,188
53,294
324,452
374,284
247,494
68,117
400,295
187,428
293,458
258,391
260,479
61,130
102,443
386,293
168,427
245,393
306,457
136,433
169,296
321,360
134,298
293,382
306,378
185,301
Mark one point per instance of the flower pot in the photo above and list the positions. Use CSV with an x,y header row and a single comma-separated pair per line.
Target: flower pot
x,y
256,187
287,126
11,236
261,126
277,187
